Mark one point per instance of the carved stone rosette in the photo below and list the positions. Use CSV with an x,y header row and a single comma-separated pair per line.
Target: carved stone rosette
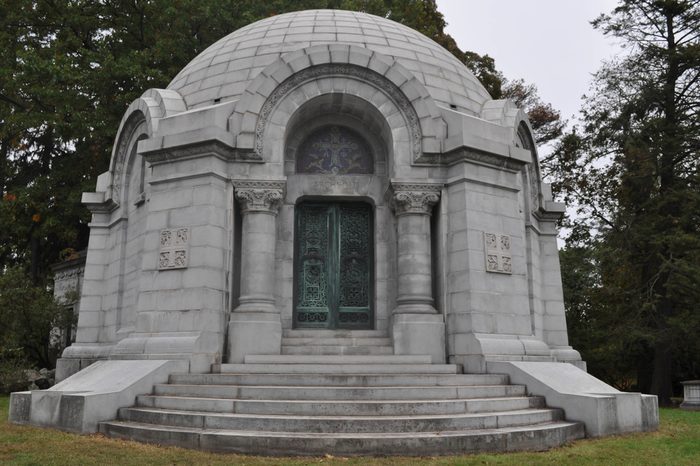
x,y
260,196
414,198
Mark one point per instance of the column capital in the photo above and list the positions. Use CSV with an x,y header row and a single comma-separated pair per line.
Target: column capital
x,y
414,198
259,195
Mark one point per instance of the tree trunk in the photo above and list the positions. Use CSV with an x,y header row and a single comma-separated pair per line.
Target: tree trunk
x,y
661,381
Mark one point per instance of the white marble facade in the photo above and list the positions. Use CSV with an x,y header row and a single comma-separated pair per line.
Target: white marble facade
x,y
191,253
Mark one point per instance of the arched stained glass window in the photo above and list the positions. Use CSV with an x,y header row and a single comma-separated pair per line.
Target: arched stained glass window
x,y
335,150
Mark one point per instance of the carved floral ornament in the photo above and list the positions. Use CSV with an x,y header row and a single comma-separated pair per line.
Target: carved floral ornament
x,y
414,198
174,248
497,248
260,196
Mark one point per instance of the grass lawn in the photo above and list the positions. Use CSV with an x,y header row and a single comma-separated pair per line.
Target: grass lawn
x,y
676,443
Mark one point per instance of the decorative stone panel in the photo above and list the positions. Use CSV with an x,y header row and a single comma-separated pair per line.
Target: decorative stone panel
x,y
498,254
174,248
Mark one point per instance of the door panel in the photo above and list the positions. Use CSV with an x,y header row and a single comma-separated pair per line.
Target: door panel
x,y
333,266
355,271
312,267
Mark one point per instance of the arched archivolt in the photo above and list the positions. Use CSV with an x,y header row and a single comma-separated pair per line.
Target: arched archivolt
x,y
140,121
283,118
254,111
505,113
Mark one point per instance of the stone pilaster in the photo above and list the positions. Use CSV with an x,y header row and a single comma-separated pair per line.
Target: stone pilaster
x,y
417,326
255,326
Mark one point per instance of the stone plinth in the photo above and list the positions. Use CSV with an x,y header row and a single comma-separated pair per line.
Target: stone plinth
x,y
691,395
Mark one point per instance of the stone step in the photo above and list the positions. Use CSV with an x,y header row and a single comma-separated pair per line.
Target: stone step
x,y
337,350
337,368
537,437
336,360
339,424
346,380
322,341
278,392
325,333
340,408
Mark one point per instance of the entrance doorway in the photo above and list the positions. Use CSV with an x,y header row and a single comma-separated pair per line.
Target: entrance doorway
x,y
333,266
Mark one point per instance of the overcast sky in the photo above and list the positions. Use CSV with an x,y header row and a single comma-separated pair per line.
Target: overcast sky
x,y
549,43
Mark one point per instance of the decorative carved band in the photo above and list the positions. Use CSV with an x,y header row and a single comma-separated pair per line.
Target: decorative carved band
x,y
414,198
260,196
344,70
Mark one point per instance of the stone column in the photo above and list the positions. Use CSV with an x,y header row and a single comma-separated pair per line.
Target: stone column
x,y
255,326
418,328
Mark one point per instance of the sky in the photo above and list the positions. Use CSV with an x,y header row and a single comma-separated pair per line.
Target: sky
x,y
549,43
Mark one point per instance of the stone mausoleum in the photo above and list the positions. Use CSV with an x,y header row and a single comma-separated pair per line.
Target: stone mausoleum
x,y
326,237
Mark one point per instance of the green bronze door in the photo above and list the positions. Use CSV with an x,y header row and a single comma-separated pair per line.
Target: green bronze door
x,y
333,266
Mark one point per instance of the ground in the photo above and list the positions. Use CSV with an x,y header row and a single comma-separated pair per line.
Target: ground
x,y
676,443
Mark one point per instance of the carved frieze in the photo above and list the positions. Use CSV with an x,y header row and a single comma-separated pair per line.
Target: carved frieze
x,y
498,254
260,196
414,198
174,248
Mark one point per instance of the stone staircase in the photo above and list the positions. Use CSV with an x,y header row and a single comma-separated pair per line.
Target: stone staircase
x,y
340,397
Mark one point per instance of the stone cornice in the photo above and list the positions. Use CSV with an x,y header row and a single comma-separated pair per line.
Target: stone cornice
x,y
97,203
211,147
259,195
465,154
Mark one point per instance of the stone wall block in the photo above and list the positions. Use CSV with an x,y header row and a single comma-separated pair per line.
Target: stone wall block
x,y
340,53
359,56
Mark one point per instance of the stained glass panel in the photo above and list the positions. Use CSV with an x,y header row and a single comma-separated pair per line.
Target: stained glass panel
x,y
334,150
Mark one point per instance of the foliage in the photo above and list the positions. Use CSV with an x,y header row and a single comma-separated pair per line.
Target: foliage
x,y
13,365
632,169
29,313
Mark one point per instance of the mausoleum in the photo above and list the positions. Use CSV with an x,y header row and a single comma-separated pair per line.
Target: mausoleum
x,y
326,237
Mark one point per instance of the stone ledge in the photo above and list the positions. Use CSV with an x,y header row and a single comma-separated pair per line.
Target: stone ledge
x,y
603,409
93,395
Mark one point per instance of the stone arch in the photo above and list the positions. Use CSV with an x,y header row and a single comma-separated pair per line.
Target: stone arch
x,y
505,113
384,74
398,136
140,120
534,176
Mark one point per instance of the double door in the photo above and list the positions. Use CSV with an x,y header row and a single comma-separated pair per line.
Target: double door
x,y
333,266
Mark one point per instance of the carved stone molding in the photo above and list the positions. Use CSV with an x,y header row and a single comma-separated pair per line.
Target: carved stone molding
x,y
414,198
133,126
344,70
260,196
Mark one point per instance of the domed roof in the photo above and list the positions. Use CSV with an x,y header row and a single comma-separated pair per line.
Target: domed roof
x,y
224,69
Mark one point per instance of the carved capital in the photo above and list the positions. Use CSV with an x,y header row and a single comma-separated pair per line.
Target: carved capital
x,y
414,198
260,196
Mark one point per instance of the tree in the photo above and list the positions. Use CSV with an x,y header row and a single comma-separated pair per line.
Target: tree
x,y
632,168
29,313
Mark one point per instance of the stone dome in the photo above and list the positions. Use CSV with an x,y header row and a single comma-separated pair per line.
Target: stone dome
x,y
223,71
